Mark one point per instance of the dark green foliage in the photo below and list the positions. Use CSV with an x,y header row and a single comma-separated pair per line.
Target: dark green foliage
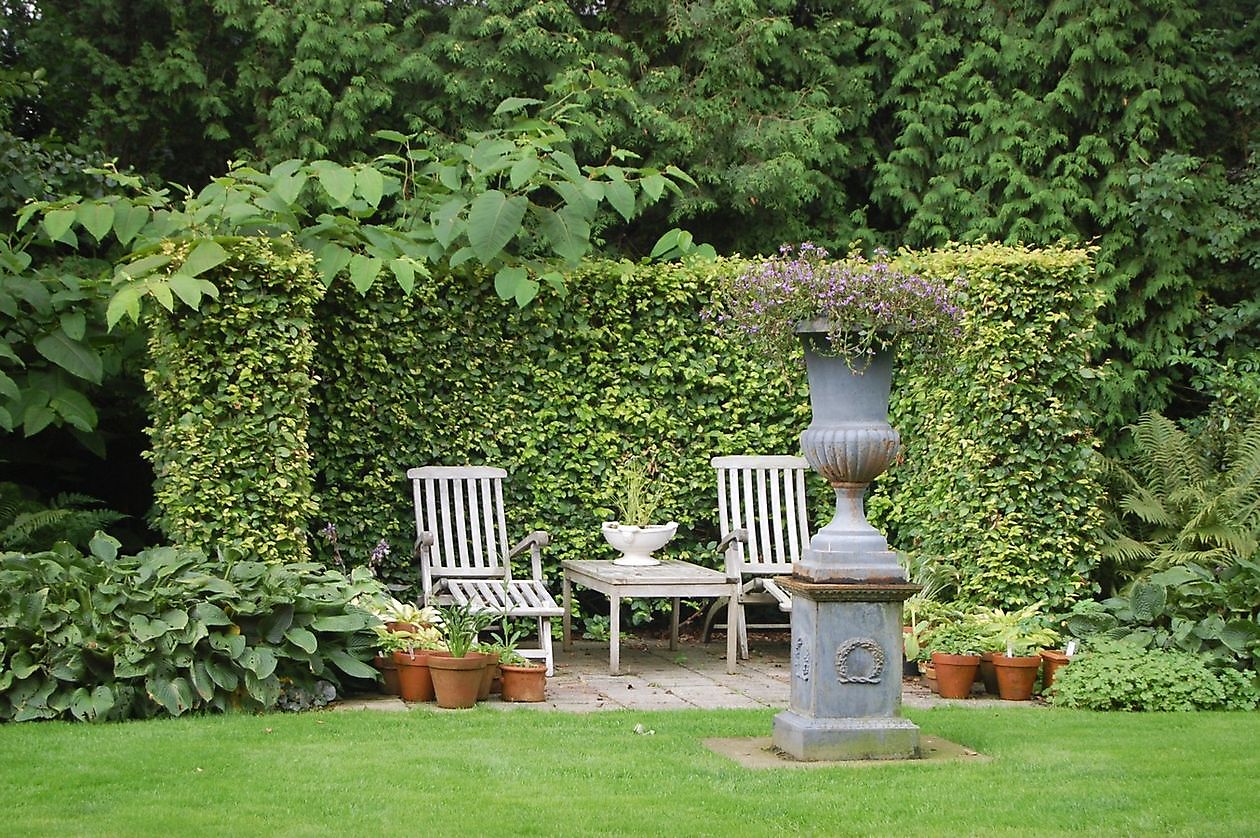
x,y
1118,676
1213,612
28,525
998,477
1178,498
102,636
231,387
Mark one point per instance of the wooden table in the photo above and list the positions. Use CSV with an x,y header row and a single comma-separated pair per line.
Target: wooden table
x,y
673,579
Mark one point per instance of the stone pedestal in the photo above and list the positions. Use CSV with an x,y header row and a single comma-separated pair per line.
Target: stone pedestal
x,y
846,673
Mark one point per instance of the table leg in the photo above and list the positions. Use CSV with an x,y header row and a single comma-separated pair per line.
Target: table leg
x,y
673,626
567,591
732,629
614,634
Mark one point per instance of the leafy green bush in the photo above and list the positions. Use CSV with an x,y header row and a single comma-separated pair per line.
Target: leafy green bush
x,y
1181,499
27,524
1211,612
999,477
1120,676
167,631
231,385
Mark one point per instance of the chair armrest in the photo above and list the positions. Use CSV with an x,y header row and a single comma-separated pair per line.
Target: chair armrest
x,y
733,570
425,539
740,535
538,538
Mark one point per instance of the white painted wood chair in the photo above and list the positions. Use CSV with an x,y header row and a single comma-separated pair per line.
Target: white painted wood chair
x,y
461,544
762,510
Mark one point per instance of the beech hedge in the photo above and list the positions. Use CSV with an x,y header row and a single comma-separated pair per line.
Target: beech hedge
x,y
231,390
998,476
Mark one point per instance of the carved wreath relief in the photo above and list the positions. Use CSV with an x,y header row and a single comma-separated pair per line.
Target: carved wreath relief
x,y
800,659
863,668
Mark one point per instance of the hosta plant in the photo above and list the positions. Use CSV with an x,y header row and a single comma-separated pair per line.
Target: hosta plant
x,y
167,631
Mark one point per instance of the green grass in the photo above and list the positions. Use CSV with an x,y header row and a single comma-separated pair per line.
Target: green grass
x,y
485,772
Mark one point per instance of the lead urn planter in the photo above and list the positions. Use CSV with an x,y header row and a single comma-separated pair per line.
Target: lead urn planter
x,y
849,442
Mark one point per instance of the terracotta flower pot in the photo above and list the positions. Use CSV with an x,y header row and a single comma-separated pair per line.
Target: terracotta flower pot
x,y
488,675
1051,660
987,675
1016,676
524,683
456,681
389,673
929,676
414,680
394,625
955,674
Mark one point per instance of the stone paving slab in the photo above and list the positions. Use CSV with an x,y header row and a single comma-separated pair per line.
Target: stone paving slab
x,y
654,677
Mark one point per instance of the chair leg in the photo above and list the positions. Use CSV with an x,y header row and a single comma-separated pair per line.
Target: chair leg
x,y
709,618
741,620
544,637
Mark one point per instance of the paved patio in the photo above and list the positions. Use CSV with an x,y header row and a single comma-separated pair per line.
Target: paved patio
x,y
692,677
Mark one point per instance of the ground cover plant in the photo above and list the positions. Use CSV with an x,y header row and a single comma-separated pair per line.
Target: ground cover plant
x,y
540,773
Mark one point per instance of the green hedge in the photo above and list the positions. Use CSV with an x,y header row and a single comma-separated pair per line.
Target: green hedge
x,y
231,386
555,393
999,477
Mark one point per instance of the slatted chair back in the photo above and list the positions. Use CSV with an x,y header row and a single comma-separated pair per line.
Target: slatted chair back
x,y
765,496
462,507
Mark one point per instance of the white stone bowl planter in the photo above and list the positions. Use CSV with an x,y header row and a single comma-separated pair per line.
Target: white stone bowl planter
x,y
636,544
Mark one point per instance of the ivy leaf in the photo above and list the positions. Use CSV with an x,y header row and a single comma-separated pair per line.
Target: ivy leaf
x,y
72,356
204,256
494,220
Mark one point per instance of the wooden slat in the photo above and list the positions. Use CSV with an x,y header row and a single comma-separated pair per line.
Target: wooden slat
x,y
763,518
474,525
460,516
777,477
794,502
494,546
501,532
746,502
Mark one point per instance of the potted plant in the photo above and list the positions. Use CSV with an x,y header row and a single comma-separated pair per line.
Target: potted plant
x,y
384,661
410,651
955,650
521,678
637,494
849,314
1014,641
457,677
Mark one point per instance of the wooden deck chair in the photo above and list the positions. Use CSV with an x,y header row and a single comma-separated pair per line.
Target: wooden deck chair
x,y
461,544
764,526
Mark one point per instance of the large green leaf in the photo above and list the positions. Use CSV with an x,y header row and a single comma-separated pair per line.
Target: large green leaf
x,y
621,196
57,222
75,357
222,674
494,220
338,182
128,221
302,638
352,666
186,288
74,408
96,218
174,694
370,184
206,255
566,231
340,622
363,271
145,629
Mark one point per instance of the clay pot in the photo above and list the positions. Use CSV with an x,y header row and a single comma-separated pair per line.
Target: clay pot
x,y
488,675
1051,661
394,625
524,683
1016,676
456,681
955,673
929,676
414,680
987,675
389,673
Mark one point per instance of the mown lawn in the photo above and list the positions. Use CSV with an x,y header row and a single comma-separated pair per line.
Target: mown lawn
x,y
490,772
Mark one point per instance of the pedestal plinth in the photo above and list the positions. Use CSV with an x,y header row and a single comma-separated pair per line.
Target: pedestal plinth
x,y
846,673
